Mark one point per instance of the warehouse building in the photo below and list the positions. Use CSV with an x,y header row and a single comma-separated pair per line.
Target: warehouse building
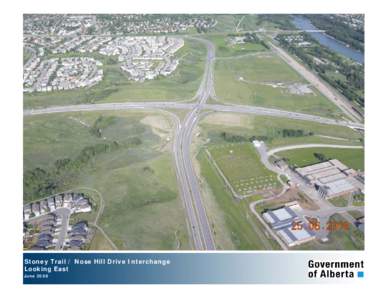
x,y
282,221
331,178
280,218
294,237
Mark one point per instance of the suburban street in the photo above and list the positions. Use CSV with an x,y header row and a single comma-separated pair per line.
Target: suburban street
x,y
64,214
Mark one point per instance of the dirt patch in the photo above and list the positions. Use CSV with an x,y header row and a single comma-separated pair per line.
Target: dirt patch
x,y
293,195
159,124
226,119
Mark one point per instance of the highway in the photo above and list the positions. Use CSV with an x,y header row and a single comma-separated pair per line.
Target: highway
x,y
200,227
189,187
243,109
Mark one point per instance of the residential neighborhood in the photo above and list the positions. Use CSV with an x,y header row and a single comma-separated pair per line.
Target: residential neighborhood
x,y
46,223
61,74
145,58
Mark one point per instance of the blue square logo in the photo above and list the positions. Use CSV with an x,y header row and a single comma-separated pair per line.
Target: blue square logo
x,y
360,274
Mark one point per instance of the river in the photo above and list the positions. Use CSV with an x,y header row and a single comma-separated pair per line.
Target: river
x,y
328,41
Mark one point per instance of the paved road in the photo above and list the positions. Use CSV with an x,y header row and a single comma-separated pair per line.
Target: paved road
x,y
244,109
291,147
321,86
200,226
64,213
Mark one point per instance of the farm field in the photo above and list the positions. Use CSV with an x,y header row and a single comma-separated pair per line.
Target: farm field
x,y
126,157
219,128
269,82
115,86
241,165
353,158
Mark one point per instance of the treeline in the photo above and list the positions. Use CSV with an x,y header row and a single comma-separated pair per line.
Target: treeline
x,y
294,133
285,133
337,28
40,182
321,157
250,38
101,123
254,39
280,21
352,86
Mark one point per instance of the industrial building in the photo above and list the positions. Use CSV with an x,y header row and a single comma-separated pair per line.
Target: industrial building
x,y
282,221
296,237
280,218
331,178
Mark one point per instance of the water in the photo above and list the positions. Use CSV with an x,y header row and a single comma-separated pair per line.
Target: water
x,y
328,41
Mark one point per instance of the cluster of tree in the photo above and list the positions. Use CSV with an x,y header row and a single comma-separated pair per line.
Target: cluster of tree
x,y
294,133
40,182
254,39
320,156
337,28
101,123
281,21
258,138
352,84
233,138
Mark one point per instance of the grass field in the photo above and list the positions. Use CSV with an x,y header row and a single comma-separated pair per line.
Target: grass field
x,y
234,226
240,164
115,86
228,23
355,214
353,158
339,201
215,126
135,177
248,81
225,49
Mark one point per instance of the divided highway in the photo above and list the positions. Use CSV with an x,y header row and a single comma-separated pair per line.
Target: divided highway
x,y
200,229
244,109
201,226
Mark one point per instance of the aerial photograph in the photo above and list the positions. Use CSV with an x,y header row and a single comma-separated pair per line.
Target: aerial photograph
x,y
193,132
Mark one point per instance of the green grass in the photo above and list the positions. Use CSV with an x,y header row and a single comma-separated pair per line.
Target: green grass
x,y
358,202
355,214
99,242
269,129
241,81
240,164
137,181
353,158
339,201
352,239
244,229
115,86
225,49
26,56
228,23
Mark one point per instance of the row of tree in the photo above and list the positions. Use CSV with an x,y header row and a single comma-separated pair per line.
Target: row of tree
x,y
350,83
336,27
